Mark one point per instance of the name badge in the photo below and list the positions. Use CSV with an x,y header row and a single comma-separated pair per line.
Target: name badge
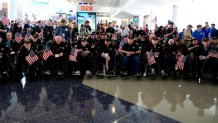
x,y
57,55
2,49
66,29
0,56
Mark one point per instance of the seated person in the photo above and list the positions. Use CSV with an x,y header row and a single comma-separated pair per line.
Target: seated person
x,y
130,53
106,57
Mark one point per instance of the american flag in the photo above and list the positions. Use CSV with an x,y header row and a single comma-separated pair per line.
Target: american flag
x,y
19,38
5,21
150,57
180,62
47,53
73,55
155,20
32,58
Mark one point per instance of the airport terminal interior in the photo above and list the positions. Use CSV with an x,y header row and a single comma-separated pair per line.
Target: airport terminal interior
x,y
108,61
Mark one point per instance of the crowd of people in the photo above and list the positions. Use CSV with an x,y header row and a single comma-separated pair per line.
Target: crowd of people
x,y
53,48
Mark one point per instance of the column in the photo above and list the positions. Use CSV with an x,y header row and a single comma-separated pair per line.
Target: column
x,y
175,14
151,25
12,9
141,20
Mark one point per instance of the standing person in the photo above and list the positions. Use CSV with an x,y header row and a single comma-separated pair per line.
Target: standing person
x,y
198,34
206,31
110,29
48,32
3,31
64,32
213,32
170,31
88,28
187,36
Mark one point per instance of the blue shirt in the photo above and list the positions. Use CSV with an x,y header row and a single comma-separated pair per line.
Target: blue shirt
x,y
212,32
198,35
206,32
181,35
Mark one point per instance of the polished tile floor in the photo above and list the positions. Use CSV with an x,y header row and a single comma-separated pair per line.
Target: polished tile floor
x,y
184,101
103,100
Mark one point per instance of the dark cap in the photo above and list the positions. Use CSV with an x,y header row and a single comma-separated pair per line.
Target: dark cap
x,y
63,21
130,37
154,38
108,39
190,25
84,40
193,38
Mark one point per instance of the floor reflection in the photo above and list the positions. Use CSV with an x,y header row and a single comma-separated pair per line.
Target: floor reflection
x,y
67,100
186,101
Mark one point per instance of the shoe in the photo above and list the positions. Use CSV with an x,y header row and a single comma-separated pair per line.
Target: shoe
x,y
59,73
99,73
199,80
163,73
145,74
125,74
5,72
77,72
47,72
137,75
152,71
88,72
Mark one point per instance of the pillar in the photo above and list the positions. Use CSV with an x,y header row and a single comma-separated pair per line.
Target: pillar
x,y
175,14
151,25
12,9
141,20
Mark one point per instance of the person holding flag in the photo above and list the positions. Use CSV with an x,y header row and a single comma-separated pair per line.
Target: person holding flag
x,y
27,59
157,52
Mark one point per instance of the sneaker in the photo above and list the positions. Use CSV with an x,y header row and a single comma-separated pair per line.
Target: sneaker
x,y
59,73
5,72
88,72
47,72
152,71
125,74
77,72
163,73
99,73
145,74
137,75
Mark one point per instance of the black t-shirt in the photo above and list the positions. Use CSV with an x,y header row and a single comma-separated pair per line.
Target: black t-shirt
x,y
110,30
198,50
107,49
130,48
2,34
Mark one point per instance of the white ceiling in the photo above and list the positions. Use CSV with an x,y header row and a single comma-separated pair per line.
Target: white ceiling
x,y
131,8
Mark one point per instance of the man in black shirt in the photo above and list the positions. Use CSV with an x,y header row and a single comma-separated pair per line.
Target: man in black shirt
x,y
106,57
196,49
131,52
110,30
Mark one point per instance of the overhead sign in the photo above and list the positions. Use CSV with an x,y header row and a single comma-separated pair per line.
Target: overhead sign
x,y
86,8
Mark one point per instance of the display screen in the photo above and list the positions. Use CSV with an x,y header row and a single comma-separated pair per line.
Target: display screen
x,y
90,16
